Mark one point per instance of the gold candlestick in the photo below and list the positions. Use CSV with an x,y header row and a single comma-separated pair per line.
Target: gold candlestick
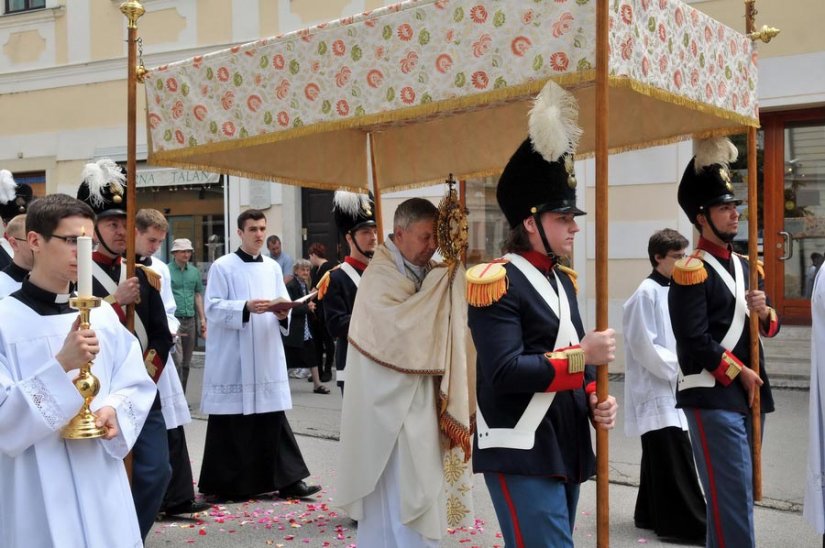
x,y
82,426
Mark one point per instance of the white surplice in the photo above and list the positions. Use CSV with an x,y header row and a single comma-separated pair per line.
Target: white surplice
x,y
651,365
172,397
8,285
56,492
245,371
814,510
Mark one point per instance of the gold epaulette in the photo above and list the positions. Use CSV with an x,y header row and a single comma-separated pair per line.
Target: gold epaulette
x,y
573,275
690,270
486,283
151,275
323,284
760,266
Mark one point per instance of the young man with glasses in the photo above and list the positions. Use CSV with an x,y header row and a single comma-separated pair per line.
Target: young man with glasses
x,y
670,501
53,490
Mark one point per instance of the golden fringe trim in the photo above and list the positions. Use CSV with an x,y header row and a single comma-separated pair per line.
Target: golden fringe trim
x,y
689,271
152,277
426,372
682,101
323,284
458,434
760,266
573,275
480,294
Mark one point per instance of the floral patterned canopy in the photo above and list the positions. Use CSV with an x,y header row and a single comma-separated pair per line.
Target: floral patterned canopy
x,y
444,86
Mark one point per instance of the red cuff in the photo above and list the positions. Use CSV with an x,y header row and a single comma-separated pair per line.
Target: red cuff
x,y
154,366
773,325
590,388
564,379
728,368
121,314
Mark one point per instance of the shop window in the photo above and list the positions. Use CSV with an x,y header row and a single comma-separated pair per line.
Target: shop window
x,y
18,6
488,227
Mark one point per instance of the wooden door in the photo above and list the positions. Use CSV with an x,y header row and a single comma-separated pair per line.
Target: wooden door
x,y
794,220
319,223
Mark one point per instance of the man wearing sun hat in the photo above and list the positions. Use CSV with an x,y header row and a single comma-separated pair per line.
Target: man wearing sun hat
x,y
187,287
710,301
535,385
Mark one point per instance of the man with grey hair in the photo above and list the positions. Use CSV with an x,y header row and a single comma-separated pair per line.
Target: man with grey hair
x,y
402,346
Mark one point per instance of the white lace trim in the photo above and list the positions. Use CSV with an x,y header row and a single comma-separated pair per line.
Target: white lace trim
x,y
265,388
45,402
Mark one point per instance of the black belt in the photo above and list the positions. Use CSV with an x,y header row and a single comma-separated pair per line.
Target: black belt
x,y
184,317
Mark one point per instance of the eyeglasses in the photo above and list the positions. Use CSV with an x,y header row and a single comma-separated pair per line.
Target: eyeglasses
x,y
71,240
675,255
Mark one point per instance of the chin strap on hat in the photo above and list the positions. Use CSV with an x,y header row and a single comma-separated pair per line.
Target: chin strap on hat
x,y
727,238
547,249
367,254
102,242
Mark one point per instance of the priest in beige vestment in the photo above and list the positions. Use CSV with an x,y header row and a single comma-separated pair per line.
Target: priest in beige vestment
x,y
406,418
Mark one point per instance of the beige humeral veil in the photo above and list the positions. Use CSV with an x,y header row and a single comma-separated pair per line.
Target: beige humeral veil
x,y
411,368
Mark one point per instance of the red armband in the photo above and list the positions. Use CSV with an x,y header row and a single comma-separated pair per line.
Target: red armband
x,y
728,368
568,364
151,360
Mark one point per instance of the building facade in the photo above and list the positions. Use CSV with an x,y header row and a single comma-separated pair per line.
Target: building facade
x,y
63,103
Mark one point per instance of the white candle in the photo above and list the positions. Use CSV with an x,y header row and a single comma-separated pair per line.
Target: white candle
x,y
84,266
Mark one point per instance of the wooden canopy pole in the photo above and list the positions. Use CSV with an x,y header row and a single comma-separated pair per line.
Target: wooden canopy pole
x,y
133,10
376,190
753,208
602,111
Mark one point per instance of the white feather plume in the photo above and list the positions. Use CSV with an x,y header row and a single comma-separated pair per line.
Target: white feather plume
x,y
8,188
94,176
717,150
100,174
349,202
114,175
553,122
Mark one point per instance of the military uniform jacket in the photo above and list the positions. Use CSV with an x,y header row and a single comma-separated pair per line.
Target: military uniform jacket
x,y
149,308
338,303
701,314
512,336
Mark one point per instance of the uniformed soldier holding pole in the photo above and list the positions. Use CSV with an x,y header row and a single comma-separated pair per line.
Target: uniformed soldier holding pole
x,y
710,302
103,189
536,395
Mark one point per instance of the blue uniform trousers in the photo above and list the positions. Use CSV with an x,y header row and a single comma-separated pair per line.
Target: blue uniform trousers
x,y
534,511
722,449
151,470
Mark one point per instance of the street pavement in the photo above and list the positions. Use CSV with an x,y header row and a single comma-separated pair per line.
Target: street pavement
x,y
315,419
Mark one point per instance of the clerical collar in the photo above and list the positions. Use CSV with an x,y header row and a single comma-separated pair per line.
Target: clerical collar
x,y
540,260
15,272
713,249
247,258
105,260
659,278
355,263
41,301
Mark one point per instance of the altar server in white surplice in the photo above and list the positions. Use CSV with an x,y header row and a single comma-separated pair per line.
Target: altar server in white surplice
x,y
57,492
250,448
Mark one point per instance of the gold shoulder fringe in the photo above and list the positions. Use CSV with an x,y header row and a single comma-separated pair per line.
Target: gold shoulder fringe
x,y
760,266
323,284
690,270
486,283
573,275
151,275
